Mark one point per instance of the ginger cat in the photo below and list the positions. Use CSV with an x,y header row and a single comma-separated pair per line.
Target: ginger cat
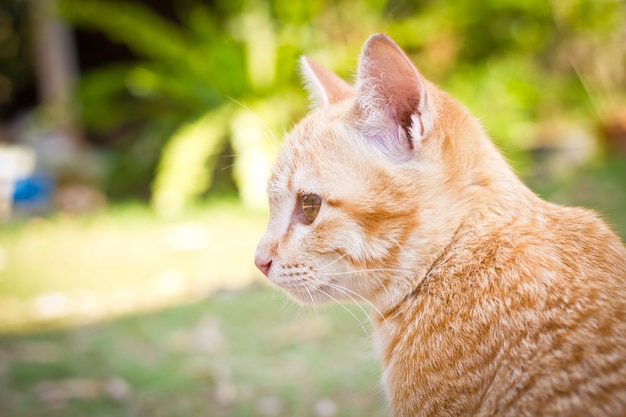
x,y
486,300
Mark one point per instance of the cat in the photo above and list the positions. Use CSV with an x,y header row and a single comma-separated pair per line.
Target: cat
x,y
486,300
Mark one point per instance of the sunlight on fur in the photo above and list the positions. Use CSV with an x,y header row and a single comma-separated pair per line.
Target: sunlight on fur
x,y
486,300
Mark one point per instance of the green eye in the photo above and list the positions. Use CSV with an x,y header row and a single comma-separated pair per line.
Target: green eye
x,y
310,204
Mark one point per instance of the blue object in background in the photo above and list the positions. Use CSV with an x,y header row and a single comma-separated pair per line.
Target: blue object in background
x,y
35,190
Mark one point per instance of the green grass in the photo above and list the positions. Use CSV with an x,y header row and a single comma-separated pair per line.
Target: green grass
x,y
237,353
128,246
123,260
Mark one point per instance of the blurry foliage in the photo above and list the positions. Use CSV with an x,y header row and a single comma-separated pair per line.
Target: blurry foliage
x,y
15,67
225,72
516,63
182,167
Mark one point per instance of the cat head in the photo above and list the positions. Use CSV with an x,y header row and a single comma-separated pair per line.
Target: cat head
x,y
371,183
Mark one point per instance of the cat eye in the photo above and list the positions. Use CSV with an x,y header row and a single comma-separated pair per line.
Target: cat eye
x,y
310,204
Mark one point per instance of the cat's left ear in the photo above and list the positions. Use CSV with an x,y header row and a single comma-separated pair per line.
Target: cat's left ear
x,y
392,100
324,86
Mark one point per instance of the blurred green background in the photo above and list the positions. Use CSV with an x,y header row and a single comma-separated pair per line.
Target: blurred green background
x,y
135,139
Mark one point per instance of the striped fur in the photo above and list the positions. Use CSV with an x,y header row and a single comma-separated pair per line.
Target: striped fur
x,y
487,300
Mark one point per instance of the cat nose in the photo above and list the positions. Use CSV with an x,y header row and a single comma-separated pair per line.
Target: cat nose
x,y
264,264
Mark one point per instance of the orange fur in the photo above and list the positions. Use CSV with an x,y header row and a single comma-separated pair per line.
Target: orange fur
x,y
487,300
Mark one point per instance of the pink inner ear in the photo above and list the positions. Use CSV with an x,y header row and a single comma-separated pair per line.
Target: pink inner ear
x,y
395,144
327,84
389,84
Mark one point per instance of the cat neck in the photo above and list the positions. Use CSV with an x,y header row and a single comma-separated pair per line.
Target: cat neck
x,y
483,201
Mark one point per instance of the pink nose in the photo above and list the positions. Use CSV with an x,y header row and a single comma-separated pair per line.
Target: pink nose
x,y
263,264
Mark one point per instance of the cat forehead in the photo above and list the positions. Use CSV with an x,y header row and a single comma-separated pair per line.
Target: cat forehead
x,y
319,122
303,159
323,154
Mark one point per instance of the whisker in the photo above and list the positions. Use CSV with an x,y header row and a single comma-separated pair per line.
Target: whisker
x,y
347,309
269,132
378,279
367,270
235,163
308,291
380,282
333,262
348,291
322,283
286,303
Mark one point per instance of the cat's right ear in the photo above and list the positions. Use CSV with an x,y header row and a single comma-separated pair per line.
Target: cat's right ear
x,y
324,86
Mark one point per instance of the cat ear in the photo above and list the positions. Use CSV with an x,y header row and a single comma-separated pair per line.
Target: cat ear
x,y
324,86
392,102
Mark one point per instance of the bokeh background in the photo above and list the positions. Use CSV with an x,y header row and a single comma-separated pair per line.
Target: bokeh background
x,y
135,140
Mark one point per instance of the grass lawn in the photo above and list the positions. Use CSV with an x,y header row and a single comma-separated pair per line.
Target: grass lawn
x,y
75,269
242,353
